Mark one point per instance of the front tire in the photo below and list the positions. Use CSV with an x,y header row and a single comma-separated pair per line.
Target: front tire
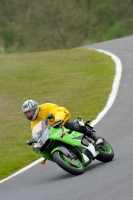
x,y
106,153
73,166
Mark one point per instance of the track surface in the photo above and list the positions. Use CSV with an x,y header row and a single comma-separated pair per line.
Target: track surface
x,y
110,181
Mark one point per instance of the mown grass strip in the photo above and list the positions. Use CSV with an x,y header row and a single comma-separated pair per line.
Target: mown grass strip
x,y
77,79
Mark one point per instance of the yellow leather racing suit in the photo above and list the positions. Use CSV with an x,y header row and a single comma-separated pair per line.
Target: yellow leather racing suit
x,y
59,113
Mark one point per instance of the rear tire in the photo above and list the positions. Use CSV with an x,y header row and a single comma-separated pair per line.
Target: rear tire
x,y
106,153
72,166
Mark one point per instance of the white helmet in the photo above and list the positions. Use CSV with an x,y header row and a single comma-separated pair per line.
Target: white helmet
x,y
30,105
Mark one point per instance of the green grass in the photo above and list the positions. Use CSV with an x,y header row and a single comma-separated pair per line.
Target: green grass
x,y
78,79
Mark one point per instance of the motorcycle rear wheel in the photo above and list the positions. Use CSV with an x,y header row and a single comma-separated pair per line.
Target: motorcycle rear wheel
x,y
72,166
106,153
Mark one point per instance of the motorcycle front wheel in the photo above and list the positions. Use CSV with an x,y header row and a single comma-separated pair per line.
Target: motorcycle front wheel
x,y
106,153
73,166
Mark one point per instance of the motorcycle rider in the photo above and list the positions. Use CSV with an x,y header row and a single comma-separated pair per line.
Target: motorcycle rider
x,y
36,113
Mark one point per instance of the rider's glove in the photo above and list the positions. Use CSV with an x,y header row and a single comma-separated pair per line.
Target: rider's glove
x,y
57,123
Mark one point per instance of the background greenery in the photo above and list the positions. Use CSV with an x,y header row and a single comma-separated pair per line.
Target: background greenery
x,y
30,25
78,79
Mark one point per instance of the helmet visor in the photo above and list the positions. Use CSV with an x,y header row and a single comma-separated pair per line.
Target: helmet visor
x,y
29,114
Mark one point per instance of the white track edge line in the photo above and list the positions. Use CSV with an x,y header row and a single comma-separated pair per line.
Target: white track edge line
x,y
115,86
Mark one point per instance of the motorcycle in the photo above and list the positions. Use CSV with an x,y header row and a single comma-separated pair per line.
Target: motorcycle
x,y
71,150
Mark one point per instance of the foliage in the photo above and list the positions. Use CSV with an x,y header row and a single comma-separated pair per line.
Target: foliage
x,y
31,25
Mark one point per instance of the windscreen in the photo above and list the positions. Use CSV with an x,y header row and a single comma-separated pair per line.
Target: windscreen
x,y
40,132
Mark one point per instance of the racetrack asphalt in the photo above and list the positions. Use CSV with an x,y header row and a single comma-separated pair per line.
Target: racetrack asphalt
x,y
110,181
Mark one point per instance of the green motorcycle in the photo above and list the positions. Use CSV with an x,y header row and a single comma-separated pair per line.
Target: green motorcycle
x,y
71,150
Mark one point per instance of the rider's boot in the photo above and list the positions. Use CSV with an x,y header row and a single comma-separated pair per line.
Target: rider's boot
x,y
74,125
92,134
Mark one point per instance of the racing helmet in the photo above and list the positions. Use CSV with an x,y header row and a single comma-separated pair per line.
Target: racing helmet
x,y
30,105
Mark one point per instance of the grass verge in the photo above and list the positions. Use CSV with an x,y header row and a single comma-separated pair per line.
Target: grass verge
x,y
78,79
